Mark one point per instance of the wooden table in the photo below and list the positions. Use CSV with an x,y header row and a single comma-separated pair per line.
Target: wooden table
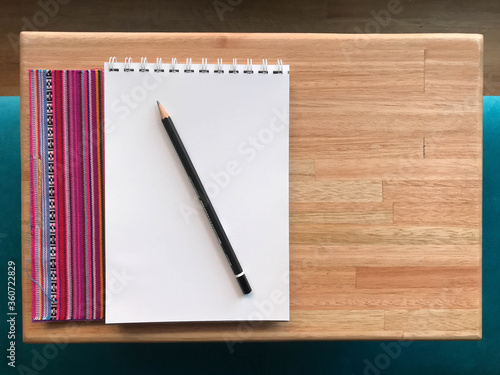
x,y
385,181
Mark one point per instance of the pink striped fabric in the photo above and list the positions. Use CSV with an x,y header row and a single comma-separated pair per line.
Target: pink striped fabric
x,y
66,194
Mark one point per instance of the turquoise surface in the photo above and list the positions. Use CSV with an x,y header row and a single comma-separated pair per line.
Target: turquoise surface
x,y
370,358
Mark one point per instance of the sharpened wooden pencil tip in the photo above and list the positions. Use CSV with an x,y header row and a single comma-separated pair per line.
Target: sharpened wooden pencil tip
x,y
163,113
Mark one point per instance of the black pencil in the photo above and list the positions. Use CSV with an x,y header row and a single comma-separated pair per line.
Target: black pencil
x,y
205,201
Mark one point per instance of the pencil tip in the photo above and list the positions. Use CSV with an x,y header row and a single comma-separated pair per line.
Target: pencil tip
x,y
163,113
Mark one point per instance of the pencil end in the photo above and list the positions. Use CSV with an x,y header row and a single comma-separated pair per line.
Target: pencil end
x,y
244,284
163,113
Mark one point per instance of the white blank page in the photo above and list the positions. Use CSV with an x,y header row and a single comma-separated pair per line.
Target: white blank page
x,y
163,261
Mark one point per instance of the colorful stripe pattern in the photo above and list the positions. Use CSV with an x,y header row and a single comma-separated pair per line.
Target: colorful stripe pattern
x,y
66,194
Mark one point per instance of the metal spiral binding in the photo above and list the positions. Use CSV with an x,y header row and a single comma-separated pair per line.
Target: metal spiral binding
x,y
128,65
234,70
111,66
279,69
219,69
204,67
173,66
144,63
159,65
249,67
264,67
188,68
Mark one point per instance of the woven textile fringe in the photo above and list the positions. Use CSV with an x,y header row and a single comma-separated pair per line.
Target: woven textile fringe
x,y
66,194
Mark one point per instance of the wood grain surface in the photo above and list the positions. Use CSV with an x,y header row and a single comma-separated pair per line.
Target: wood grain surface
x,y
244,16
385,181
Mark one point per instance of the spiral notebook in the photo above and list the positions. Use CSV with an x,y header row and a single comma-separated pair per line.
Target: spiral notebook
x,y
163,260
